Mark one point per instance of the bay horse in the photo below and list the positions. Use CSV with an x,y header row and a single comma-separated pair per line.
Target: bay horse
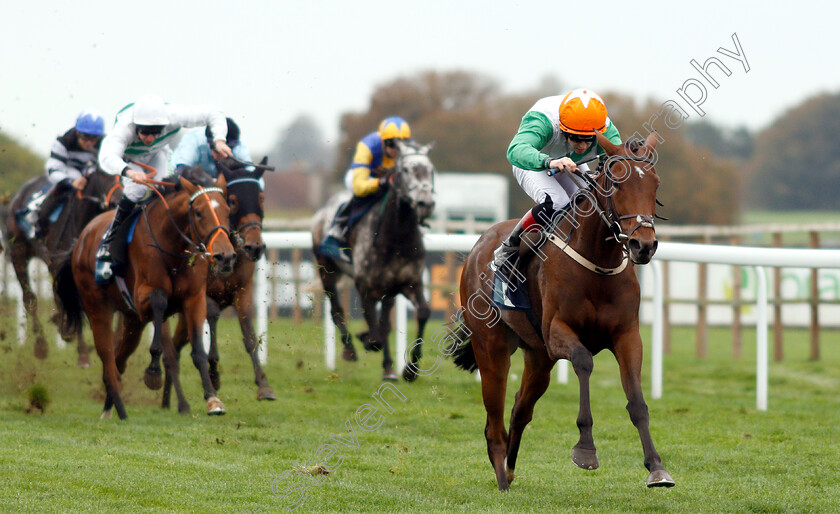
x,y
99,194
388,255
585,298
165,272
246,202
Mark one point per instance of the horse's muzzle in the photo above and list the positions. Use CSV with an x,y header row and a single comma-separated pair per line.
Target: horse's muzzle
x,y
641,252
254,251
223,263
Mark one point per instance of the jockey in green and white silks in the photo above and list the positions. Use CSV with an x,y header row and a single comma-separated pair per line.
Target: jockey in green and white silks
x,y
142,132
555,133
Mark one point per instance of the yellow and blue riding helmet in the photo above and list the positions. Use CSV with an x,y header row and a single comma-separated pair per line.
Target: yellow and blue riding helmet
x,y
394,127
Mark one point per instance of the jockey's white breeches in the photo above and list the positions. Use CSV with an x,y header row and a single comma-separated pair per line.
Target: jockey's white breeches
x,y
159,160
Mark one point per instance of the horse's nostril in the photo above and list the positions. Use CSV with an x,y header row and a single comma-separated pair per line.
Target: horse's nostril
x,y
634,245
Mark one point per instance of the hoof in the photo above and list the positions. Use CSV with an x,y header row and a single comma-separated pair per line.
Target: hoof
x,y
660,478
409,375
265,393
372,346
389,374
349,354
41,348
586,459
185,409
215,407
83,361
153,379
106,414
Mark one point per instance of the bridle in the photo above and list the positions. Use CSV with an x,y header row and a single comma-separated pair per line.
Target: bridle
x,y
238,234
202,247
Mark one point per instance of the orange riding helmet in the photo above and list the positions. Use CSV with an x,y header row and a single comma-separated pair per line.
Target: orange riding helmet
x,y
583,112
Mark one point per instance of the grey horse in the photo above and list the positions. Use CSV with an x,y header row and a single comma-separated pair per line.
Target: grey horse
x,y
388,255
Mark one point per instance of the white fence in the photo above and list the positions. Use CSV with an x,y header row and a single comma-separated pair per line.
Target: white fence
x,y
759,258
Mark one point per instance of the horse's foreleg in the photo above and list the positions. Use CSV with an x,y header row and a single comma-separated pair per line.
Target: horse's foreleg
x,y
213,313
243,305
628,353
329,277
535,380
380,331
195,312
30,301
129,331
158,301
415,294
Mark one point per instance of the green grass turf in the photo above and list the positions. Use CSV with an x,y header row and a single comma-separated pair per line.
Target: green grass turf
x,y
430,453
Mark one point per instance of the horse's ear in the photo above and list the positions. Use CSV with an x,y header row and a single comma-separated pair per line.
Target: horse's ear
x,y
428,147
606,144
652,140
264,160
188,186
221,183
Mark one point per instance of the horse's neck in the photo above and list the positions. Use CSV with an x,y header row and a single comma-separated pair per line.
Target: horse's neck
x,y
165,223
593,239
398,223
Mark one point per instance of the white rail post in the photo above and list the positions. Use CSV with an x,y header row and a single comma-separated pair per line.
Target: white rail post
x,y
761,339
657,331
262,303
21,314
329,336
402,331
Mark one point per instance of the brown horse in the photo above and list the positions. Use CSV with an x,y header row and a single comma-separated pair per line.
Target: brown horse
x,y
585,299
165,272
101,191
237,290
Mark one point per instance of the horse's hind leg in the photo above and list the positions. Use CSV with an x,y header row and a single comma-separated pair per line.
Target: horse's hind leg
x,y
83,361
628,353
494,364
415,294
172,362
158,302
103,338
128,337
242,304
20,261
535,380
329,277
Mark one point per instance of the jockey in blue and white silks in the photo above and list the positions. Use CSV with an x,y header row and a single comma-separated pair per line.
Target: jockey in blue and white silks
x,y
194,150
69,155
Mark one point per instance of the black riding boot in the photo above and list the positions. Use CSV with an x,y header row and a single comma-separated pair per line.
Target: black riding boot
x,y
124,208
335,244
55,197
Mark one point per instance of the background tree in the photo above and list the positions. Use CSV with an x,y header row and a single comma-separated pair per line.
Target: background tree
x,y
301,146
17,165
797,158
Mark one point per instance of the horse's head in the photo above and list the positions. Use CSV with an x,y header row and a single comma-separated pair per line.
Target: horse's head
x,y
102,189
209,220
414,178
246,208
630,181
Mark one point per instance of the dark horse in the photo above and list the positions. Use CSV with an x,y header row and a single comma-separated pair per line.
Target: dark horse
x,y
101,191
165,272
580,307
237,290
388,255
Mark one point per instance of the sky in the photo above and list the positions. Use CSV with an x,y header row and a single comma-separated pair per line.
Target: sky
x,y
266,62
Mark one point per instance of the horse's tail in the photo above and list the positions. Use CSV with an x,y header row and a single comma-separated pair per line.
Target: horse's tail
x,y
68,301
464,355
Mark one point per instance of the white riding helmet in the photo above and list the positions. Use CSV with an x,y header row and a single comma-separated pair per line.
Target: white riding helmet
x,y
150,110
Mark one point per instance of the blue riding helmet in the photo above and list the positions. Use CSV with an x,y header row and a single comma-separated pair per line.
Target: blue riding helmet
x,y
91,123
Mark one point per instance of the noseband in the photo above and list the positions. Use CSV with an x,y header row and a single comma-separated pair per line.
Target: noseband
x,y
202,246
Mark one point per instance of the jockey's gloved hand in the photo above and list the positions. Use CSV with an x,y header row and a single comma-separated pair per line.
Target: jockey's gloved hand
x,y
384,181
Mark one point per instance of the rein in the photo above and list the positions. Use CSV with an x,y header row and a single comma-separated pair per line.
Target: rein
x,y
610,217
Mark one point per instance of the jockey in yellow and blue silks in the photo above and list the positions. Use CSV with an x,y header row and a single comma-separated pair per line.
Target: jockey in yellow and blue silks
x,y
375,156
